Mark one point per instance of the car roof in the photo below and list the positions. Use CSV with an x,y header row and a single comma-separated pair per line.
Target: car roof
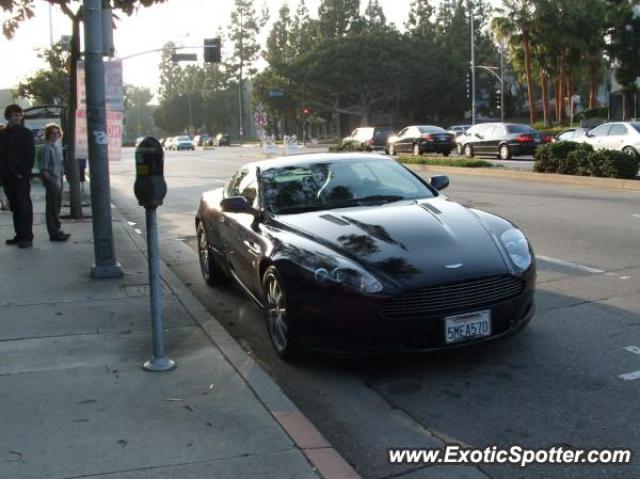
x,y
301,160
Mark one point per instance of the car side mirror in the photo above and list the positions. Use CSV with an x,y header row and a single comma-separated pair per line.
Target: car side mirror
x,y
236,204
439,182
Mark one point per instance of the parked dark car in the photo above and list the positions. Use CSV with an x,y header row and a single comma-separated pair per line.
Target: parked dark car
x,y
350,251
503,140
222,139
421,139
369,138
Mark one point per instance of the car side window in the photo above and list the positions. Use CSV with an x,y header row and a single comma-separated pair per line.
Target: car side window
x,y
354,133
618,130
600,131
233,187
567,135
402,133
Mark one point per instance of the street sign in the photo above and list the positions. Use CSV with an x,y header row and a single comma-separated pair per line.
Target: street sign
x,y
261,119
276,93
184,57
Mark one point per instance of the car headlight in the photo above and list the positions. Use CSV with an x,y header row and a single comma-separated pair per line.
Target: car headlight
x,y
343,272
517,246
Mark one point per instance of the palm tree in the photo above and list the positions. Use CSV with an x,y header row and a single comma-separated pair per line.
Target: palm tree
x,y
514,24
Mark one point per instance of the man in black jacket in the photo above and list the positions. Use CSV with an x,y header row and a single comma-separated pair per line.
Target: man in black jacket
x,y
17,155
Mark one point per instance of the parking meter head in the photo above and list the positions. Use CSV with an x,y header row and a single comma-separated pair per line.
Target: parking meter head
x,y
150,187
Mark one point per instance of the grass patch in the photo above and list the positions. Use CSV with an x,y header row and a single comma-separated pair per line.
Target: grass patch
x,y
439,161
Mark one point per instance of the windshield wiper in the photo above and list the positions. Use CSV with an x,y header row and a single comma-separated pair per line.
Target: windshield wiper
x,y
295,209
369,199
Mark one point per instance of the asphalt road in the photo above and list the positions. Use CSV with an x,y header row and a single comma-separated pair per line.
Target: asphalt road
x,y
560,382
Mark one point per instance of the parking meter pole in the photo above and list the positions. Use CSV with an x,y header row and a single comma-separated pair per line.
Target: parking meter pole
x,y
105,265
159,362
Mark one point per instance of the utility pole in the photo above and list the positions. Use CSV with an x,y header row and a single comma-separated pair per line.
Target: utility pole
x,y
502,113
105,265
240,82
473,66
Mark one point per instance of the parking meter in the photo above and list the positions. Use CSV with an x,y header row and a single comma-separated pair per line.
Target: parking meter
x,y
150,187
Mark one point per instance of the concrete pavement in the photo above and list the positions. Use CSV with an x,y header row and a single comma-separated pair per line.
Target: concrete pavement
x,y
76,402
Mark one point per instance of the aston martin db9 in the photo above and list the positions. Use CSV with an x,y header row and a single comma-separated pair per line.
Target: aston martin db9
x,y
348,252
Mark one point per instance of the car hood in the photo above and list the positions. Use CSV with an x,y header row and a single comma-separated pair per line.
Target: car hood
x,y
411,243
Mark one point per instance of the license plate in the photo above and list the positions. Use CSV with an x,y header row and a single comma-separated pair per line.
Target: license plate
x,y
464,327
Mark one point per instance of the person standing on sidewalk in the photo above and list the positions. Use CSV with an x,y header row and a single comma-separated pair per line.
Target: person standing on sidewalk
x,y
51,171
17,155
4,204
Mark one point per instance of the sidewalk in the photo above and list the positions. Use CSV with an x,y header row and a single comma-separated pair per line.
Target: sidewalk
x,y
77,403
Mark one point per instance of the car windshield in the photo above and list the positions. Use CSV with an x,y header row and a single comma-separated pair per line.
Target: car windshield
x,y
520,129
382,132
636,126
431,129
338,184
183,138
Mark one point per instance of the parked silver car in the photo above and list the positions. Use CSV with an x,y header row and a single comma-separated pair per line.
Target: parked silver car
x,y
620,135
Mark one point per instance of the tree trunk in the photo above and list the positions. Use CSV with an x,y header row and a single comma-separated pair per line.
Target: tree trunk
x,y
593,84
570,95
625,106
544,83
530,88
561,92
556,92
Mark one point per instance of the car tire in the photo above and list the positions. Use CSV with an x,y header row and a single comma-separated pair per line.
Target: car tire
x,y
392,150
468,150
416,150
279,325
446,153
504,153
210,270
629,150
459,149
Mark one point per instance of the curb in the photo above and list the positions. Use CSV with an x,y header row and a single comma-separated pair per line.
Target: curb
x,y
603,183
324,459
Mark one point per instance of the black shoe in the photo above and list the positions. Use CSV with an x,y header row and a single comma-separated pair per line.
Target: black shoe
x,y
59,237
13,241
25,244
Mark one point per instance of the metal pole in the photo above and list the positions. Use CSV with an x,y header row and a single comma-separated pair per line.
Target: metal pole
x,y
51,25
473,67
240,82
159,361
502,113
190,114
105,265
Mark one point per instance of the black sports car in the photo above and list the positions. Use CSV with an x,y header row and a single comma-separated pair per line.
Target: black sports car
x,y
346,251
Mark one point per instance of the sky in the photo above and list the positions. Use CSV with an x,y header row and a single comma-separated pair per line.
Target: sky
x,y
185,22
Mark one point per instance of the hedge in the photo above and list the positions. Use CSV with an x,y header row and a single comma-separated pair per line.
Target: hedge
x,y
570,158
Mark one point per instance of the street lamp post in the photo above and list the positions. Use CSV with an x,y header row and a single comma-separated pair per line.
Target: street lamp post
x,y
473,67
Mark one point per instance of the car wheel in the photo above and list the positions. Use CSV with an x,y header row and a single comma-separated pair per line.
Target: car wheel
x,y
446,153
459,149
629,150
468,151
392,150
504,153
210,270
416,150
279,325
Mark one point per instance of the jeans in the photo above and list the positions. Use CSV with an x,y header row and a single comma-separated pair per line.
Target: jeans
x,y
54,202
18,191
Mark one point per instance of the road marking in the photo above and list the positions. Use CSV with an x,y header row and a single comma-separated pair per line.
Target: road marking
x,y
131,223
137,231
636,216
632,376
568,264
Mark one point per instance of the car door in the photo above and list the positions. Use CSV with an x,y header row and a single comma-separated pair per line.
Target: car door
x,y
241,235
493,139
616,136
401,142
480,139
598,136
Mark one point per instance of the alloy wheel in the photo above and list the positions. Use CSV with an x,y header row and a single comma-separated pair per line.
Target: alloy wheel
x,y
416,150
468,151
276,314
630,151
392,150
504,153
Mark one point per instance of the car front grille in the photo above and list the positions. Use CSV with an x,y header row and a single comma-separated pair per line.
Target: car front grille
x,y
453,296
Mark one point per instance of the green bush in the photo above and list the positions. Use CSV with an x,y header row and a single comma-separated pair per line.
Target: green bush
x,y
576,163
584,161
548,157
616,164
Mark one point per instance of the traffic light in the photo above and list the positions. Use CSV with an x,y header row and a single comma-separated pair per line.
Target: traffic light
x,y
212,50
468,83
305,111
498,99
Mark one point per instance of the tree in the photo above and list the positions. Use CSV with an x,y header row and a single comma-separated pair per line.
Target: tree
x,y
338,18
242,33
514,25
51,85
374,15
138,116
